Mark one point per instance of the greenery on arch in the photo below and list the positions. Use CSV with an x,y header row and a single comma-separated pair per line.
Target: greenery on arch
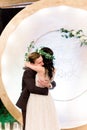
x,y
79,34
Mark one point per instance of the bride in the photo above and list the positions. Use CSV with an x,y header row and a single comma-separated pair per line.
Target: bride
x,y
41,113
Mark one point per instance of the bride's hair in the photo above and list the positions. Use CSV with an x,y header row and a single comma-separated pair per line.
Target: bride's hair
x,y
48,62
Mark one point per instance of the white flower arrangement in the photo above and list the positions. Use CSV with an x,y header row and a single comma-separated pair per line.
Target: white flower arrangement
x,y
72,33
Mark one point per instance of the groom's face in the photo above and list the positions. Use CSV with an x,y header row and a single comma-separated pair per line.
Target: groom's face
x,y
39,61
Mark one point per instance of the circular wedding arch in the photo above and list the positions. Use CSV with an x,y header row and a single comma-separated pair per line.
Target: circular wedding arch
x,y
12,26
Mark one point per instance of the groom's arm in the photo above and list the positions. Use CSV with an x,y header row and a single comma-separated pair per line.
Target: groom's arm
x,y
52,85
28,82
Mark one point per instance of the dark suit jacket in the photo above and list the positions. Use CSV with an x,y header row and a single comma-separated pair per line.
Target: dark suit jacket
x,y
28,86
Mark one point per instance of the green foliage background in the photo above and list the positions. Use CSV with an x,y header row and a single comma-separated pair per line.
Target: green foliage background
x,y
5,116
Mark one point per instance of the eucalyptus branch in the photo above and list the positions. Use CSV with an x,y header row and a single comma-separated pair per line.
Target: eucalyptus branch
x,y
72,33
31,45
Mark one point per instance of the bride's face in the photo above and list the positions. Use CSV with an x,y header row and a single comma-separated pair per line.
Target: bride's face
x,y
39,61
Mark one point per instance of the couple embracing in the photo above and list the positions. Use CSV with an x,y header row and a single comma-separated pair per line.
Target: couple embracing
x,y
35,101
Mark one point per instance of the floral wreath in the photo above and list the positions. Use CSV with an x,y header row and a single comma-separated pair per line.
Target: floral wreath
x,y
64,33
43,53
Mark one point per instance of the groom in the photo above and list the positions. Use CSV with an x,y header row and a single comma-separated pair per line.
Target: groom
x,y
28,86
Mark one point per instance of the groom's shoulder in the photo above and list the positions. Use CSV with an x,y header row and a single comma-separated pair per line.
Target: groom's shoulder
x,y
29,70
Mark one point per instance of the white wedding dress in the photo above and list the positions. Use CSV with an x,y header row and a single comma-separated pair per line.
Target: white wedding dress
x,y
41,113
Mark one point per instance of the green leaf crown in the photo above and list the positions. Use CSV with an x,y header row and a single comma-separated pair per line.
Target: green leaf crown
x,y
47,55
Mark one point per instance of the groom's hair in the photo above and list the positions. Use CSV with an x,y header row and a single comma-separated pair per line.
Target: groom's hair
x,y
33,56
